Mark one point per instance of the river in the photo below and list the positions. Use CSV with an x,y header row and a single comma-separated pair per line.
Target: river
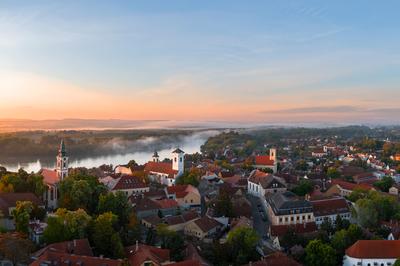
x,y
189,144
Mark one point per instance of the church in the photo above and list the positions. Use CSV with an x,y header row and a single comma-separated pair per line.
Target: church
x,y
52,178
166,172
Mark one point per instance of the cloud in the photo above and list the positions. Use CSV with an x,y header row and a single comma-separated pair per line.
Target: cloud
x,y
316,109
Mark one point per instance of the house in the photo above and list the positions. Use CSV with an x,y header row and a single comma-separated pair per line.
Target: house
x,y
344,188
288,209
130,185
178,222
144,255
319,152
166,172
329,209
52,178
366,178
276,232
145,207
186,195
275,259
8,202
123,170
151,221
260,183
36,230
75,252
267,161
202,228
372,252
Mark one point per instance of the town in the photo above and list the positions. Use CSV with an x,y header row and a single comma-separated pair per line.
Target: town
x,y
331,198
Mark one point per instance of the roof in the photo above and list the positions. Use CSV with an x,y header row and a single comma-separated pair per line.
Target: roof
x,y
166,203
265,180
160,167
375,249
77,247
276,259
286,201
350,186
153,219
206,223
186,263
129,182
138,254
62,151
9,200
52,257
330,206
178,151
181,191
50,177
280,230
179,219
264,160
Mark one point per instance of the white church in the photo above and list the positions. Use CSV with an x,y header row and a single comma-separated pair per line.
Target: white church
x,y
166,172
52,178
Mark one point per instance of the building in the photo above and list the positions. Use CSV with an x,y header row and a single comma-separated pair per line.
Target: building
x,y
178,222
276,232
344,188
288,209
186,195
319,152
275,259
75,252
52,178
259,184
329,209
8,202
166,172
143,255
372,252
123,169
202,228
267,161
130,185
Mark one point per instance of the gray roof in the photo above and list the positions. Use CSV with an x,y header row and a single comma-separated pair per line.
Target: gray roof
x,y
287,202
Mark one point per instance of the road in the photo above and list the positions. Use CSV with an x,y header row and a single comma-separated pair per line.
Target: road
x,y
259,225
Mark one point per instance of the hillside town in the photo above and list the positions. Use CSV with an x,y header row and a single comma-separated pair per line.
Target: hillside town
x,y
330,204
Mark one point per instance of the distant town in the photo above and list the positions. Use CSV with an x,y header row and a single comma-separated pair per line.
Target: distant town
x,y
283,196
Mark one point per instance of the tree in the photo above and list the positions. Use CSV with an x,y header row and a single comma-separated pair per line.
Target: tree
x,y
242,242
21,215
385,183
333,173
190,177
16,248
304,187
132,163
318,253
105,238
397,262
367,215
116,203
357,194
74,191
67,225
223,206
171,240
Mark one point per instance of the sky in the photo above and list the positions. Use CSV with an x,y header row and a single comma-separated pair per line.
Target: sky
x,y
253,61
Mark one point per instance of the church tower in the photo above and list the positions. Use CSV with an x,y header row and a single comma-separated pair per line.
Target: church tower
x,y
156,158
178,161
272,154
62,162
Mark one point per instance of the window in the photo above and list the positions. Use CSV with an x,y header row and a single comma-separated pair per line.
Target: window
x,y
175,159
292,218
286,219
298,218
180,159
280,220
309,217
304,217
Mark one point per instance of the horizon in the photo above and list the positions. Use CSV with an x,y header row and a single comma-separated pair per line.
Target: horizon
x,y
272,62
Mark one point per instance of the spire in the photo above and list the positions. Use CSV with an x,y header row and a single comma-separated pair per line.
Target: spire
x,y
155,154
62,151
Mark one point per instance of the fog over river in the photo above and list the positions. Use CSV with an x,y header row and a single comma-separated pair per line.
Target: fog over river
x,y
142,153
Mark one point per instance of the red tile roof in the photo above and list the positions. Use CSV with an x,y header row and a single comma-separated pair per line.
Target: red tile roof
x,y
330,206
129,182
276,259
350,186
50,177
186,263
9,200
77,247
181,191
264,160
166,203
160,167
61,258
280,230
374,249
138,254
206,223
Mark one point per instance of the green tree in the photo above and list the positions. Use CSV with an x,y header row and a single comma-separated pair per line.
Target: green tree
x,y
105,238
333,173
171,240
16,249
384,184
367,215
304,187
21,215
318,253
116,203
397,262
190,177
223,206
242,242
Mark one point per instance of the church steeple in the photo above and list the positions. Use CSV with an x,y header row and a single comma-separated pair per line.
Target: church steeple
x,y
62,161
